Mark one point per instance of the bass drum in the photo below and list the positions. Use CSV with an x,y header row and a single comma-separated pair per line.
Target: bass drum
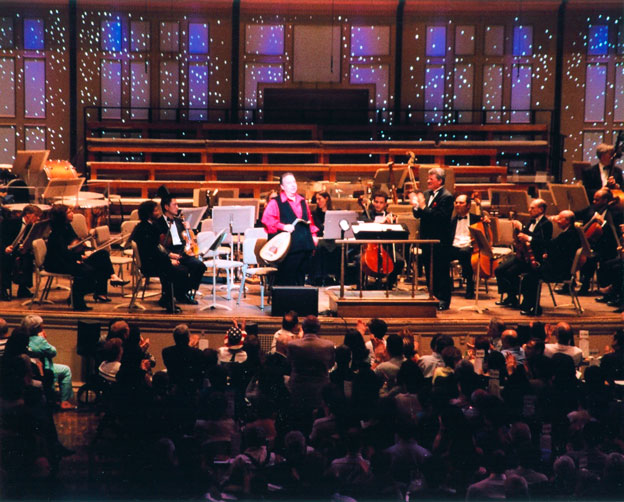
x,y
276,248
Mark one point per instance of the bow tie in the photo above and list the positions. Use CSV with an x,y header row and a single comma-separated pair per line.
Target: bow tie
x,y
532,222
605,168
459,218
170,220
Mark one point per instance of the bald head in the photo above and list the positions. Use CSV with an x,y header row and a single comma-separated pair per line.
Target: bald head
x,y
565,219
509,338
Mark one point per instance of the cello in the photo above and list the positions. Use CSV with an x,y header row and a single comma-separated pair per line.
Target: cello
x,y
376,261
479,260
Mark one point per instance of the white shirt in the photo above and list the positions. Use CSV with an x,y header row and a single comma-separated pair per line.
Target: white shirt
x,y
433,196
574,352
173,230
604,174
462,234
533,225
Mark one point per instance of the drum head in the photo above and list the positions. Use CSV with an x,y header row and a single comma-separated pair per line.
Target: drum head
x,y
275,250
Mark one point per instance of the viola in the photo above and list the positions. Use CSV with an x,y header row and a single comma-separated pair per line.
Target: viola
x,y
524,251
191,248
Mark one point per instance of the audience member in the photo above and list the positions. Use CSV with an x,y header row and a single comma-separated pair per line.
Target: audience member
x,y
564,344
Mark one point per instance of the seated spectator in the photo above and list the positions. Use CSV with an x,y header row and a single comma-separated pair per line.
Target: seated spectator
x,y
410,381
406,455
376,329
511,346
342,375
387,371
232,351
184,361
4,335
430,362
348,473
492,487
290,329
39,347
516,488
612,363
360,355
212,422
112,352
564,344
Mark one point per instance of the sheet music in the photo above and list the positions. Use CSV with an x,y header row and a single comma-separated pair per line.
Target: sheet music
x,y
377,227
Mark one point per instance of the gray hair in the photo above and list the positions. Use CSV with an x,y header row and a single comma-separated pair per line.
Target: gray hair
x,y
33,324
438,172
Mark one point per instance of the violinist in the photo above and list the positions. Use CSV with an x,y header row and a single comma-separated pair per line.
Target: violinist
x,y
461,249
325,265
556,262
604,173
532,238
602,219
377,212
174,235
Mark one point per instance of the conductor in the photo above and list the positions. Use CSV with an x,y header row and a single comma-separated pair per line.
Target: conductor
x,y
289,212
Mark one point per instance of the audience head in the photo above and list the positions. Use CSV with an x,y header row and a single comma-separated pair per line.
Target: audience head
x,y
564,333
112,350
290,321
495,328
4,328
410,376
451,356
234,337
378,327
516,488
443,341
181,335
394,345
353,339
343,356
509,338
33,324
17,343
119,329
311,325
618,340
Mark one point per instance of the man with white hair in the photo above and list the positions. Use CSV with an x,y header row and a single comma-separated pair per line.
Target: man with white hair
x,y
39,347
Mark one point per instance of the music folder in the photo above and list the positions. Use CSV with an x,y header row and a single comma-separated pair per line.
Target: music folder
x,y
382,231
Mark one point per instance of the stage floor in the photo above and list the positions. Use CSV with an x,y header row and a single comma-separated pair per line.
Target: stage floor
x,y
461,310
460,321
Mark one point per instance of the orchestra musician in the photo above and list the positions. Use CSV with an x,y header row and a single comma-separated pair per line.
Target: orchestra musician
x,y
606,216
174,232
434,208
65,255
602,174
377,212
556,262
17,262
461,248
326,258
280,215
155,261
532,239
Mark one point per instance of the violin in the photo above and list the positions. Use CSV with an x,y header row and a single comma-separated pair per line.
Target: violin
x,y
524,251
191,248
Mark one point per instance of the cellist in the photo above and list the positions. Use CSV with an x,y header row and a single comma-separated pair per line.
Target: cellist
x,y
377,212
461,249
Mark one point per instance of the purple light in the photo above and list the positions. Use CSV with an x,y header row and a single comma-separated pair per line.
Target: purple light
x,y
598,40
198,38
111,36
436,41
523,41
33,34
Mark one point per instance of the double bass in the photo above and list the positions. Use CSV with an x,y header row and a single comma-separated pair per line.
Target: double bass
x,y
376,261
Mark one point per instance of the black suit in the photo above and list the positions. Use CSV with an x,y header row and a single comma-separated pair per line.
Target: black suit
x,y
604,247
508,273
592,181
184,366
191,267
17,266
155,261
556,267
435,223
464,254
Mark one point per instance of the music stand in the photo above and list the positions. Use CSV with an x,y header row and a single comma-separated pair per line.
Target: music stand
x,y
516,200
572,197
60,188
212,249
332,228
235,219
28,165
382,177
193,215
485,249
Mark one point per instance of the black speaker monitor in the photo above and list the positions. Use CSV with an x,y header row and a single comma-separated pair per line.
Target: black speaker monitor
x,y
88,337
301,299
